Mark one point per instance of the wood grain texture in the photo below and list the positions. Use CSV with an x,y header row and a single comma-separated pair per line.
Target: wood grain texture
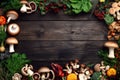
x,y
62,30
56,16
54,47
60,51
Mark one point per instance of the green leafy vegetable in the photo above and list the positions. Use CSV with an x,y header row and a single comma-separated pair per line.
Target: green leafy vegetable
x,y
3,34
14,63
3,72
108,19
10,4
96,76
107,61
77,6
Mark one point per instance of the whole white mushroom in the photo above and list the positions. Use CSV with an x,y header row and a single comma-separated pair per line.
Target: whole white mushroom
x,y
111,45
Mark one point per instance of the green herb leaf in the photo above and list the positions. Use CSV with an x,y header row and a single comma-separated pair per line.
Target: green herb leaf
x,y
108,19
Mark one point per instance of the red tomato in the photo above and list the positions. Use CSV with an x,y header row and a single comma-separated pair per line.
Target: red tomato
x,y
2,20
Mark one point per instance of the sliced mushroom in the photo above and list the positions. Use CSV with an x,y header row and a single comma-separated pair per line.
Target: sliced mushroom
x,y
33,6
82,76
17,76
27,70
46,70
13,29
12,15
36,76
25,6
11,41
68,69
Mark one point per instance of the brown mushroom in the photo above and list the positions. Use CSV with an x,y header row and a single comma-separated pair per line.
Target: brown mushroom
x,y
112,11
111,45
17,76
36,76
13,29
11,41
27,70
46,70
25,6
12,15
97,67
115,4
33,6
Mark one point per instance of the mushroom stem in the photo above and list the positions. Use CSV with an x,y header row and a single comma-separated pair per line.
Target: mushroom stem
x,y
43,77
11,48
30,72
23,8
111,52
8,20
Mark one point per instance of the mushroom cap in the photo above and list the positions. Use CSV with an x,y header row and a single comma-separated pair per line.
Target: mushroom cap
x,y
11,40
111,44
97,67
23,1
13,14
112,11
13,29
115,4
43,69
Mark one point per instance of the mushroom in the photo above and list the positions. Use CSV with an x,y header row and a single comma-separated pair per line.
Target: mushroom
x,y
36,76
75,65
33,6
17,76
69,69
27,70
82,76
25,6
82,68
111,45
11,41
46,70
12,15
97,67
88,73
13,29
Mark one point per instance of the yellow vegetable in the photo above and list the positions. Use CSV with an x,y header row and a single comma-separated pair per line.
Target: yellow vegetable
x,y
2,49
72,76
111,72
101,0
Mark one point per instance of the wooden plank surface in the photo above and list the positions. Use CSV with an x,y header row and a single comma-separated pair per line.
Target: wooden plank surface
x,y
56,16
60,51
62,30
